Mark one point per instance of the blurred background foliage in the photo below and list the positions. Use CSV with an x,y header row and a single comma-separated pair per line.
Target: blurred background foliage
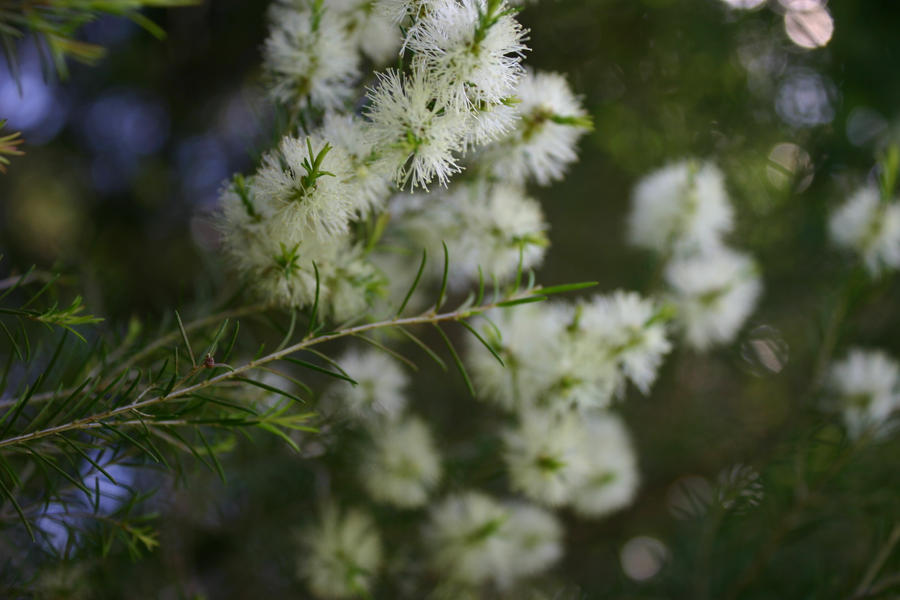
x,y
125,158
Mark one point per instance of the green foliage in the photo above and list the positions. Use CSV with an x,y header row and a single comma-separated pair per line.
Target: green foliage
x,y
56,23
95,404
663,79
9,146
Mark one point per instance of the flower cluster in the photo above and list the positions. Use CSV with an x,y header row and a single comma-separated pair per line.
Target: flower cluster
x,y
682,212
542,144
308,55
475,539
562,366
343,552
293,228
328,221
565,458
491,229
869,225
401,465
580,356
866,390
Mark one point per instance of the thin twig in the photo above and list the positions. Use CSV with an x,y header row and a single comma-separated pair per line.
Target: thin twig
x,y
865,586
788,522
88,422
886,582
33,277
146,351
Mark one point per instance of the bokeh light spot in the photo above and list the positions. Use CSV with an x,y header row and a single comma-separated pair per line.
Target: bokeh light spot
x,y
642,557
744,4
789,164
865,125
809,28
765,351
805,99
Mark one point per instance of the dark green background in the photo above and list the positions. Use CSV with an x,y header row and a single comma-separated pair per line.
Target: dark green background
x,y
662,80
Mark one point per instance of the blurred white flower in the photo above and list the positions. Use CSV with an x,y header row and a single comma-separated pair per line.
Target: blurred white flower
x,y
612,478
417,135
866,384
268,254
714,293
403,466
542,365
542,145
342,554
582,459
471,48
309,55
563,356
282,266
545,455
486,226
376,35
680,208
869,227
536,539
632,331
349,134
398,11
380,388
474,539
349,284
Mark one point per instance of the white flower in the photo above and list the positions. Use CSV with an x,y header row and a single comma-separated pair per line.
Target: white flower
x,y
682,207
346,286
380,388
349,134
398,11
417,135
403,466
310,55
545,455
714,294
561,356
282,272
542,145
548,361
306,186
349,284
582,459
866,383
536,537
869,227
342,554
612,478
475,540
585,376
472,48
463,534
486,226
632,331
489,123
501,225
376,34
528,339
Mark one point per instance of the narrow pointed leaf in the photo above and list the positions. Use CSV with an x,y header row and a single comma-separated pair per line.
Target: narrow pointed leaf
x,y
414,285
459,364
